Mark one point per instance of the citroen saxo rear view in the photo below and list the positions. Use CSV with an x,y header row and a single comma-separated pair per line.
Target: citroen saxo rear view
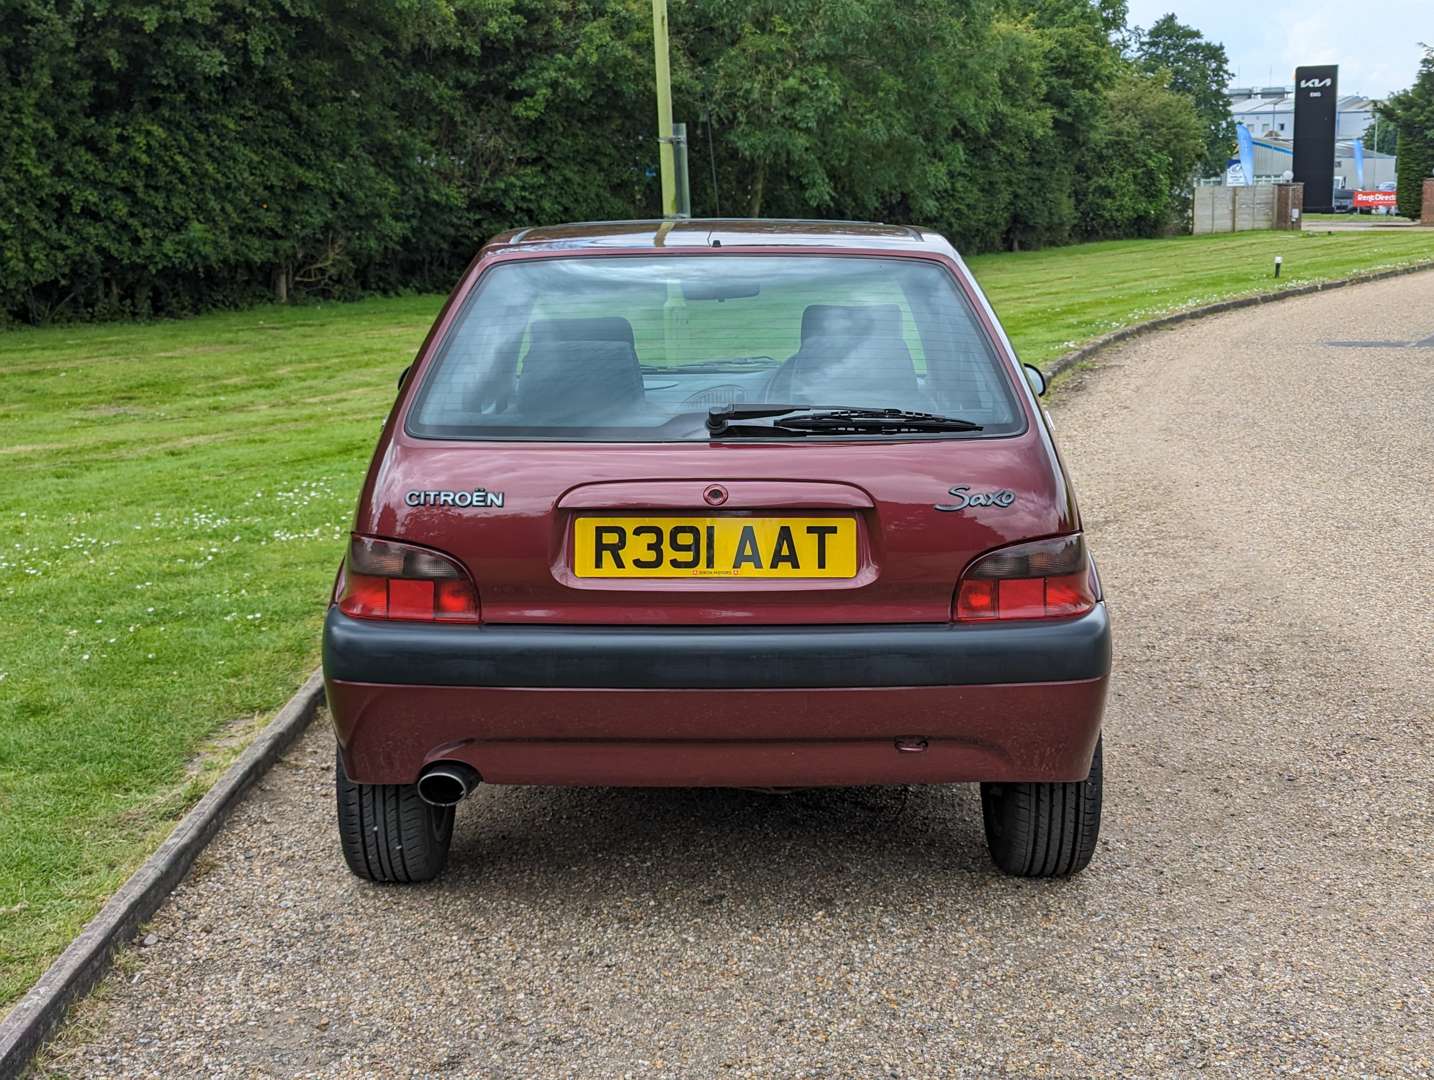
x,y
717,503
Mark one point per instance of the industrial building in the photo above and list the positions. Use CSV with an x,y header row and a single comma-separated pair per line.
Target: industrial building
x,y
1271,110
1269,113
1275,156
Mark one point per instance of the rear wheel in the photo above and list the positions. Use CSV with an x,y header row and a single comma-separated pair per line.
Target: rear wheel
x,y
1043,830
388,833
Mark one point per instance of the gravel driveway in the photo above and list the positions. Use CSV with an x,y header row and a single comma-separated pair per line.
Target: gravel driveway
x,y
1262,901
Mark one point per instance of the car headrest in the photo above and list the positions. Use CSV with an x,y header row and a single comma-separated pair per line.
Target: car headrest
x,y
578,367
546,332
851,355
851,321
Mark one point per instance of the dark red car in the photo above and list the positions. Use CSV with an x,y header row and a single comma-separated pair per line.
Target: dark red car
x,y
717,503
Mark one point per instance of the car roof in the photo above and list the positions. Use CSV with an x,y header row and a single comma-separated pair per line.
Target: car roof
x,y
658,234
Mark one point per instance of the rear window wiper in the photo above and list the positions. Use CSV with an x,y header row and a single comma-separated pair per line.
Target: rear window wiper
x,y
827,420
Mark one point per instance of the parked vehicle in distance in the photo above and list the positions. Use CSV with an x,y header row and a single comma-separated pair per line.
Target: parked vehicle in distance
x,y
717,503
1343,200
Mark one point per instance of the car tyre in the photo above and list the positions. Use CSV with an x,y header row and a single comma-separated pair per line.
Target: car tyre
x,y
1043,830
388,833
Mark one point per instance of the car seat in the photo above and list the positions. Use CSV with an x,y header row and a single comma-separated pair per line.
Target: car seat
x,y
579,370
849,355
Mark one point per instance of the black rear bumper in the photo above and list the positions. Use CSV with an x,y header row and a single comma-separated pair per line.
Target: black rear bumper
x,y
743,657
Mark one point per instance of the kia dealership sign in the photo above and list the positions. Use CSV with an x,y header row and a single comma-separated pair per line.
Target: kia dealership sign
x,y
1316,90
1370,199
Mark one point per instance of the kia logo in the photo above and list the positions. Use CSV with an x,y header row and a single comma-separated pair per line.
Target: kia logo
x,y
1307,83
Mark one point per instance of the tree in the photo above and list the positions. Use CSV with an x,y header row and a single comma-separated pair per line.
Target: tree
x,y
1381,137
991,157
1144,153
164,158
1199,69
1411,111
1079,61
816,106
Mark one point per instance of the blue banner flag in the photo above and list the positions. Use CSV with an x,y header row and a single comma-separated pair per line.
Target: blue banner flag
x,y
1359,163
1247,153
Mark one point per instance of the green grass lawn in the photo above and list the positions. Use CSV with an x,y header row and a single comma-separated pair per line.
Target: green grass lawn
x,y
173,508
171,515
1374,219
1051,301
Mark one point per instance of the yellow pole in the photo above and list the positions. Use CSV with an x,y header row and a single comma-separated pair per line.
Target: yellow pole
x,y
666,158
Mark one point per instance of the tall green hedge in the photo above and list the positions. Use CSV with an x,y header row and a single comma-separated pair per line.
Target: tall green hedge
x,y
167,156
1412,113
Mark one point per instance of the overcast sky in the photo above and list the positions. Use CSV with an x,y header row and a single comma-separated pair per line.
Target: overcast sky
x,y
1374,44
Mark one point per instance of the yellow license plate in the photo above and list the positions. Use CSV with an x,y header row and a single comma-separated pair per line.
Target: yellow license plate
x,y
726,547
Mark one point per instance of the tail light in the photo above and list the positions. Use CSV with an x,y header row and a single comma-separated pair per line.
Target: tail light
x,y
385,580
1045,579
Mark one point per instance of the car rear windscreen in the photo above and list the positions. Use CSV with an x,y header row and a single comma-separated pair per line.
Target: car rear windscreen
x,y
637,348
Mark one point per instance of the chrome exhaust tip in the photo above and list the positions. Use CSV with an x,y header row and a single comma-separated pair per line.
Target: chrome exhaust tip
x,y
446,783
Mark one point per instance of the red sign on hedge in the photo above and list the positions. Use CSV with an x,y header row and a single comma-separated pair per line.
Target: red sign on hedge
x,y
1375,198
